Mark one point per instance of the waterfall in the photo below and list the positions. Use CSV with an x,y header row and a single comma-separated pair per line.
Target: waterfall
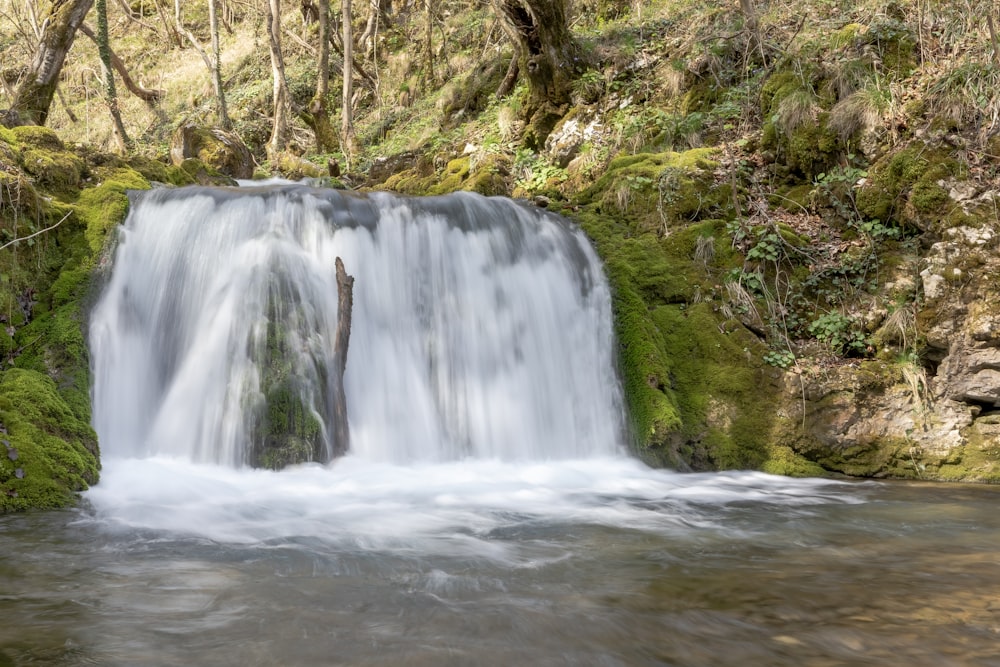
x,y
481,328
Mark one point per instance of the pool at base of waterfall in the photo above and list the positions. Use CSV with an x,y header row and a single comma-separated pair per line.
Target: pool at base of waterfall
x,y
586,562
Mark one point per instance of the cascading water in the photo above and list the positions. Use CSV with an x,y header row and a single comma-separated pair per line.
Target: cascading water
x,y
481,328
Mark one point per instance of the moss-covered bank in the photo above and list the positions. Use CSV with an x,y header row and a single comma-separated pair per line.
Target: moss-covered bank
x,y
56,213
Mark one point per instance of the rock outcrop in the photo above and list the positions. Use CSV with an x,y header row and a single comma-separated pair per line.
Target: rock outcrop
x,y
220,150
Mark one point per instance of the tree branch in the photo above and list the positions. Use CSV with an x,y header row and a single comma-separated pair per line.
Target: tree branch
x,y
31,236
144,94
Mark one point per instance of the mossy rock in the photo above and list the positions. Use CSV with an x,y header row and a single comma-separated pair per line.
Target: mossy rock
x,y
661,190
103,207
725,394
220,151
288,430
36,136
48,452
796,129
44,157
20,203
903,187
198,172
783,460
697,392
454,175
150,169
295,167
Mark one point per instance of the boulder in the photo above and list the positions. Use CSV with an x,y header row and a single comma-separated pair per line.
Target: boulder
x,y
218,149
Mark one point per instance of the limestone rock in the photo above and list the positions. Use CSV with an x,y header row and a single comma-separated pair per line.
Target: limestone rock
x,y
566,139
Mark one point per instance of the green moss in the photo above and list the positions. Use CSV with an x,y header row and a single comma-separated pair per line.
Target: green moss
x,y
411,182
103,207
288,430
151,170
903,186
847,35
976,461
783,460
58,171
55,450
453,177
36,136
660,190
20,206
723,393
194,170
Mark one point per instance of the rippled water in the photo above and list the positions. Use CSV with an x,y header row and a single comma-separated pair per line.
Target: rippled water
x,y
599,562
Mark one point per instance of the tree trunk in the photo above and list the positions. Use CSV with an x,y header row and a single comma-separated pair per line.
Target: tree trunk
x,y
279,133
753,26
345,295
347,140
429,41
549,57
34,95
319,112
110,94
378,12
220,94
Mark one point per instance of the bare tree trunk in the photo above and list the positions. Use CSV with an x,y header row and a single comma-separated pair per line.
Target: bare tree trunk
x,y
220,94
110,94
359,69
429,40
510,78
279,133
213,63
549,57
753,25
34,95
347,140
319,112
378,11
144,94
342,337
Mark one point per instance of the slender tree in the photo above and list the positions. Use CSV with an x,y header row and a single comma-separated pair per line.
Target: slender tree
x,y
34,96
319,112
213,62
110,94
279,132
347,141
220,95
150,96
429,40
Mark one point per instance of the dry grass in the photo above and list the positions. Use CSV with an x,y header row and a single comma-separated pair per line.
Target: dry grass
x,y
796,110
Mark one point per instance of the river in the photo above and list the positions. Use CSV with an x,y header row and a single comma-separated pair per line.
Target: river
x,y
596,562
487,512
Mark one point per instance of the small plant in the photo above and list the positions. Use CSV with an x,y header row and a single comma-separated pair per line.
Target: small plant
x,y
841,333
534,173
779,358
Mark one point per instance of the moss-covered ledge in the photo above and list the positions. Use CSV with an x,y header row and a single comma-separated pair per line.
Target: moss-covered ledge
x,y
47,451
56,230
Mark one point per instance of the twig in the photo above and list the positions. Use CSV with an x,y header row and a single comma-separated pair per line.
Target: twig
x,y
31,236
993,38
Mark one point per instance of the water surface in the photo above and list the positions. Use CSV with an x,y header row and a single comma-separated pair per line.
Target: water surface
x,y
599,562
